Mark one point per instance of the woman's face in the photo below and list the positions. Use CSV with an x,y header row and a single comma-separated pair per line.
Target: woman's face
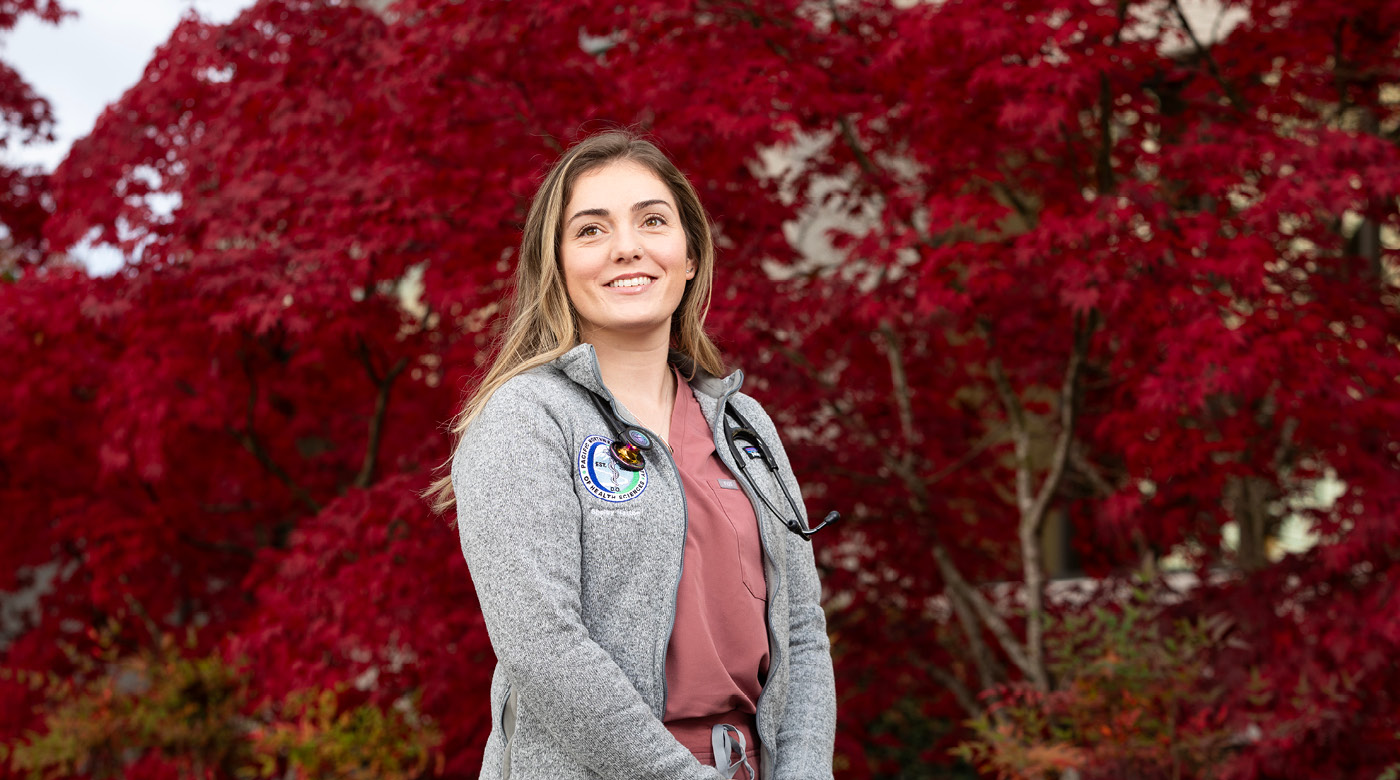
x,y
623,252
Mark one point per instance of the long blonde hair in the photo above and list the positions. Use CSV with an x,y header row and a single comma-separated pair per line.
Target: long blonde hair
x,y
542,323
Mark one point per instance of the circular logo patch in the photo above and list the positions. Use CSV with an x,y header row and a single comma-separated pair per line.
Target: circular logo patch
x,y
601,475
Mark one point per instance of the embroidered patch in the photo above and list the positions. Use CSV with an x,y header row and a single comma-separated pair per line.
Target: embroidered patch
x,y
729,484
601,475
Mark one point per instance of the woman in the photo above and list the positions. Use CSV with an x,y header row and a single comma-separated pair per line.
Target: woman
x,y
651,613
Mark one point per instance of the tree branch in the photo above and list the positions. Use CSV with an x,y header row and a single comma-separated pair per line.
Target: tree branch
x,y
1023,209
984,610
1069,413
1122,16
877,178
1074,152
1091,472
848,134
1214,69
966,458
255,447
1339,79
1104,164
217,547
381,405
955,686
836,17
989,672
1020,436
900,380
972,610
968,603
1033,503
146,620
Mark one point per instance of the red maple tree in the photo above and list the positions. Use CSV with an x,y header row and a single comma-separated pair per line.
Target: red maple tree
x,y
25,118
1002,270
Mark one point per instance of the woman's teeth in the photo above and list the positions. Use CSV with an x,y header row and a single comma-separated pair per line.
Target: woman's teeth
x,y
636,281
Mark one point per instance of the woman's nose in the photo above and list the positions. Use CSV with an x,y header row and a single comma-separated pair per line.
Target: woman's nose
x,y
627,246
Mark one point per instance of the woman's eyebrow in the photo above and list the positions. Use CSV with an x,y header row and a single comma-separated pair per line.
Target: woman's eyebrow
x,y
645,204
588,213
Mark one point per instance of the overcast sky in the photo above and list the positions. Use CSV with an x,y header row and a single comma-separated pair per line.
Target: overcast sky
x,y
87,62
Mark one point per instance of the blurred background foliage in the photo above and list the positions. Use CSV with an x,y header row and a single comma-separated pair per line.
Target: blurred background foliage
x,y
1083,313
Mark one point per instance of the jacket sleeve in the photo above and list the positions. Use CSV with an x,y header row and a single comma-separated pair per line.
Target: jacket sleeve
x,y
807,733
519,520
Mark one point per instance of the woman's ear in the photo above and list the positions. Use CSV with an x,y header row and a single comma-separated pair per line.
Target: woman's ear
x,y
689,268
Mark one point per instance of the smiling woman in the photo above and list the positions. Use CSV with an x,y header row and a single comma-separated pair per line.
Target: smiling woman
x,y
651,614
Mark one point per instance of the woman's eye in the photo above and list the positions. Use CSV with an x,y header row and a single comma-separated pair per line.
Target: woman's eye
x,y
653,221
588,231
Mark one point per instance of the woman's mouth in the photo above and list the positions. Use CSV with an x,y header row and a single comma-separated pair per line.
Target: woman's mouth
x,y
630,281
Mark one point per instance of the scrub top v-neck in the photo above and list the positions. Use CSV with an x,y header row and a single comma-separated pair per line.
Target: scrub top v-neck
x,y
718,653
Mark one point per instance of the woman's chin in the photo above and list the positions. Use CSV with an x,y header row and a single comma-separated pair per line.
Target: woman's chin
x,y
629,330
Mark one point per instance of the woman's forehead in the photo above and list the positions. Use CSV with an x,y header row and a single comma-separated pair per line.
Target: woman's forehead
x,y
622,182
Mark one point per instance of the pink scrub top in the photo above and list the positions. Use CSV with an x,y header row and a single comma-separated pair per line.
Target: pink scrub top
x,y
718,653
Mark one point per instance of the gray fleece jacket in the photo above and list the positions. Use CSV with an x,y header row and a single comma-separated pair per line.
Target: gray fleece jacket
x,y
576,568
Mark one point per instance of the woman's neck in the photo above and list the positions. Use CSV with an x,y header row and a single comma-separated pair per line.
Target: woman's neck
x,y
637,375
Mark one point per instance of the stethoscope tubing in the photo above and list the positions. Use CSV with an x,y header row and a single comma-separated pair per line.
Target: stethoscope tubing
x,y
630,442
746,431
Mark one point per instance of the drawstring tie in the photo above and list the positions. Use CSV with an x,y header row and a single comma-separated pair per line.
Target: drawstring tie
x,y
725,740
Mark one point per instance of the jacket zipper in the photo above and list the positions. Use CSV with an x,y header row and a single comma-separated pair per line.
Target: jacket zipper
x,y
675,592
685,531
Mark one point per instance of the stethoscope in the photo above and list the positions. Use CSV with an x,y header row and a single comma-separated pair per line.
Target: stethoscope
x,y
630,443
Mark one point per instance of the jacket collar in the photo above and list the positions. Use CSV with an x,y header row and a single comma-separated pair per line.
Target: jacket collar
x,y
581,365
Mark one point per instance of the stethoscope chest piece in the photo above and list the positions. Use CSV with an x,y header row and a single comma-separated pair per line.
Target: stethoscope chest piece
x,y
629,441
627,454
637,437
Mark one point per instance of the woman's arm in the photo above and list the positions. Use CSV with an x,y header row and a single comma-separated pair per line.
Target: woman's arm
x,y
807,733
519,520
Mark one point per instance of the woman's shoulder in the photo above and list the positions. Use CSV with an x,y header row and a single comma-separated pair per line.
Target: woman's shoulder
x,y
530,398
541,383
750,407
758,417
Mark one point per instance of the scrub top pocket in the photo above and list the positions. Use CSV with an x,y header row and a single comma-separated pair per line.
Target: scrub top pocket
x,y
747,546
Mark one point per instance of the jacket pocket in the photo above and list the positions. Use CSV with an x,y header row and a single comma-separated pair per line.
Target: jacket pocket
x,y
626,573
508,713
608,546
